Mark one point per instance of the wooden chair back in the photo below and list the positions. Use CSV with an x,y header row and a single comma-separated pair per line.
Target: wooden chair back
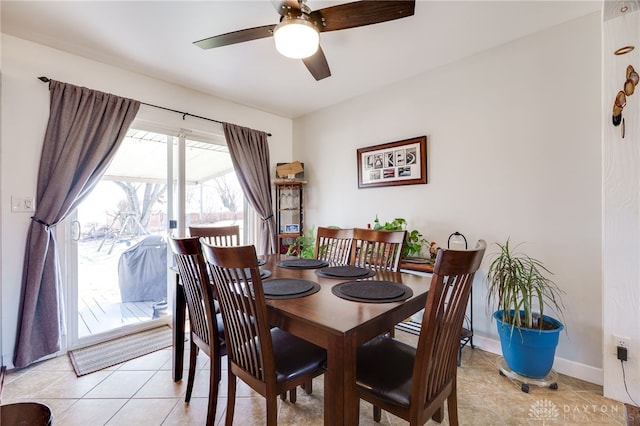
x,y
375,249
334,245
252,345
236,277
436,362
413,383
217,235
192,269
204,327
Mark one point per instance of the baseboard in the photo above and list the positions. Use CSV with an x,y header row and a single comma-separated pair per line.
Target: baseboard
x,y
564,366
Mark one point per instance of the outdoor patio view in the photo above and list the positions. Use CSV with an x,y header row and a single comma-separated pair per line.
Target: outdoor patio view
x,y
123,226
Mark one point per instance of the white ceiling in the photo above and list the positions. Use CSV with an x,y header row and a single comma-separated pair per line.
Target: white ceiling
x,y
155,38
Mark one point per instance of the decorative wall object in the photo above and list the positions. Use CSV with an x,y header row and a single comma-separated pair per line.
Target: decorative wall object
x,y
395,163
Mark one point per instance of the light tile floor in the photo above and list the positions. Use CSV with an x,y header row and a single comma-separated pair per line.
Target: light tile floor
x,y
141,392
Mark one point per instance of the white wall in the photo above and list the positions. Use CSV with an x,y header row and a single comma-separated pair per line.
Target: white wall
x,y
621,203
25,110
513,151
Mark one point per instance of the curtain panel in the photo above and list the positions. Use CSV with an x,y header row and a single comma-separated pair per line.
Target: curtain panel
x,y
84,131
249,152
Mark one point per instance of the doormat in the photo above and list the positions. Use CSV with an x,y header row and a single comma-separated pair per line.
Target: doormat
x,y
102,355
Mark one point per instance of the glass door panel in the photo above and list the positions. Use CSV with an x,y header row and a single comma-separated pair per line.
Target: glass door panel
x,y
122,249
212,193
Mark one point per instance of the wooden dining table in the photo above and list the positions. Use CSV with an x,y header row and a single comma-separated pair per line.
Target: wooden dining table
x,y
336,324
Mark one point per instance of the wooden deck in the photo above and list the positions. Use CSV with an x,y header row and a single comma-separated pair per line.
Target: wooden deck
x,y
100,306
97,315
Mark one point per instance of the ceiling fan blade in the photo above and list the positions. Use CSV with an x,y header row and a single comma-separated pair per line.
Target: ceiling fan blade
x,y
360,13
236,37
285,6
317,65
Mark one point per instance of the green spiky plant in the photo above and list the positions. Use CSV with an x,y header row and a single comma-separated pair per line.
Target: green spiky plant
x,y
517,282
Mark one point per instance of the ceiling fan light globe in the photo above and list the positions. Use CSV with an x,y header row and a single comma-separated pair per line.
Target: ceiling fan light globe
x,y
296,38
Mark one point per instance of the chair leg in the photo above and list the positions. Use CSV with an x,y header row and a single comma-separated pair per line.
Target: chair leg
x,y
231,398
272,411
214,384
438,416
192,369
452,408
308,386
293,395
377,414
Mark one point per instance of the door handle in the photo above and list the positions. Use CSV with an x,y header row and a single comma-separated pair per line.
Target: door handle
x,y
75,226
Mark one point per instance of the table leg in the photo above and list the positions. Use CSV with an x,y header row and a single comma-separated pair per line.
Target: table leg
x,y
179,311
334,384
351,400
340,398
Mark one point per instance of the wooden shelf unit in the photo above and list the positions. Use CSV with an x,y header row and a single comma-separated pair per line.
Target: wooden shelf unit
x,y
289,212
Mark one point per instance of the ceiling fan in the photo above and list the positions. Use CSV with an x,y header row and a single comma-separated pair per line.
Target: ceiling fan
x,y
297,34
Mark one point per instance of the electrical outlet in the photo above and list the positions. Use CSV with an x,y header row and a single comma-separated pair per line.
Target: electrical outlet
x,y
620,341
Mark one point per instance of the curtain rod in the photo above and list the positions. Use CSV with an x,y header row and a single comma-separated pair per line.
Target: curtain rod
x,y
184,114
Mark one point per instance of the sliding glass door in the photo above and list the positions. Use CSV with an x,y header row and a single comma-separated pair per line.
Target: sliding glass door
x,y
117,275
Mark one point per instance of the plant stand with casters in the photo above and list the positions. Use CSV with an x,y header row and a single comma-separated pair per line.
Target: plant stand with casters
x,y
549,381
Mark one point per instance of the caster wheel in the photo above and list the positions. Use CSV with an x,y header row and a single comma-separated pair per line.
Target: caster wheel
x,y
501,373
525,388
553,386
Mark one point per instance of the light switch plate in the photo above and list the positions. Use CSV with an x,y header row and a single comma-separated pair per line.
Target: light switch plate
x,y
23,204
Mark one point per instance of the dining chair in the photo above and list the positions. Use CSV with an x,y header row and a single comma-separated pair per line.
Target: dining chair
x,y
416,381
269,360
375,249
205,326
217,235
333,245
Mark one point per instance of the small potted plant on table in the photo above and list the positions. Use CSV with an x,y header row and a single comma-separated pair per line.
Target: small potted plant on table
x,y
414,241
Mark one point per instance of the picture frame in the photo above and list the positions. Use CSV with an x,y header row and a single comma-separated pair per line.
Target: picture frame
x,y
395,163
291,228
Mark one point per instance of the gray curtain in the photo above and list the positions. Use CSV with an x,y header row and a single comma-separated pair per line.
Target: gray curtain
x,y
249,152
84,131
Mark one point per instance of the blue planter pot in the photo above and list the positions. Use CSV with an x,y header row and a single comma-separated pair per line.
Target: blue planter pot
x,y
528,352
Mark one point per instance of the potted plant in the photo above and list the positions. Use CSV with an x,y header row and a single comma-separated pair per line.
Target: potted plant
x,y
414,241
519,286
305,245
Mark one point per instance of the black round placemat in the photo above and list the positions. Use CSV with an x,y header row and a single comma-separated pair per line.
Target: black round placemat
x,y
303,263
372,291
345,271
288,288
264,273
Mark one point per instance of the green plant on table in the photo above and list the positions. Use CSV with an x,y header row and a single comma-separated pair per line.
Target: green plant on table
x,y
304,245
414,241
518,283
